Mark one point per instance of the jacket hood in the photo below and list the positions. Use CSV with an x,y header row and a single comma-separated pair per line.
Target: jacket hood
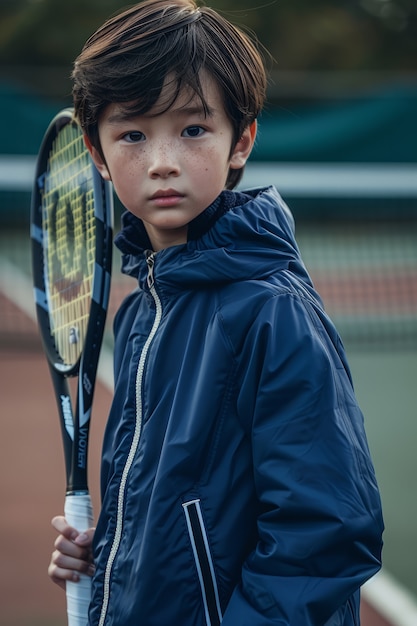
x,y
251,240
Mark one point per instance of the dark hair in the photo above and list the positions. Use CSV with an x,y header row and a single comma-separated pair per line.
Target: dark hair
x,y
128,59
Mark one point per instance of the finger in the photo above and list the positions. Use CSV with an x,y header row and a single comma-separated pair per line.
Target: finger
x,y
68,548
61,525
60,575
65,562
85,538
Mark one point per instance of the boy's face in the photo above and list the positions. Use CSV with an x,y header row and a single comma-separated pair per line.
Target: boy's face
x,y
168,167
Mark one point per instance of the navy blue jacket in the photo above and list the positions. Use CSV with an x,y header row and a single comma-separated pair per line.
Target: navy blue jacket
x,y
237,483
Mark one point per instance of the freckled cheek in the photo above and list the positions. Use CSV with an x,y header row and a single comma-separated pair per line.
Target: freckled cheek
x,y
207,160
126,178
130,168
135,168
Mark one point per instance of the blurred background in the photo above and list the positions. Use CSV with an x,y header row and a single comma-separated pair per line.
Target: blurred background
x,y
338,138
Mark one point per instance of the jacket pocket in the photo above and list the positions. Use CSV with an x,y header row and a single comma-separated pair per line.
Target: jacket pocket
x,y
204,562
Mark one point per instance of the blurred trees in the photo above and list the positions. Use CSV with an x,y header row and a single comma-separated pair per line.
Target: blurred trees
x,y
47,32
300,34
352,35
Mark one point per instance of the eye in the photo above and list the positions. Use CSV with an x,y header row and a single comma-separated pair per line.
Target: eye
x,y
193,131
134,136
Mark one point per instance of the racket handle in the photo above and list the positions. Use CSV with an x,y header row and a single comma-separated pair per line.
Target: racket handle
x,y
79,514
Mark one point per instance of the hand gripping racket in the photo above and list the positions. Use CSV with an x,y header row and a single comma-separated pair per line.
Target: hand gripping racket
x,y
71,232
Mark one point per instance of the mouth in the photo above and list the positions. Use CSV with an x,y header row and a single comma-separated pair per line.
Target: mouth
x,y
166,197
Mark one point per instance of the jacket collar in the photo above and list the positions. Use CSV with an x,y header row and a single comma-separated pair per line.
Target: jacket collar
x,y
133,238
241,236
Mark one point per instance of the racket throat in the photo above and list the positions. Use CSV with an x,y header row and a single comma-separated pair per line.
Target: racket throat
x,y
77,483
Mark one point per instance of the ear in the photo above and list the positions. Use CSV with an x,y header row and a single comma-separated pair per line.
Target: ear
x,y
97,159
244,146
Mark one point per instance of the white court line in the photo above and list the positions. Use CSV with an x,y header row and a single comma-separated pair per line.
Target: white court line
x,y
391,600
17,286
383,592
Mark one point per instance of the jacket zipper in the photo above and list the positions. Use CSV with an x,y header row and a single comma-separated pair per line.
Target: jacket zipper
x,y
150,259
204,562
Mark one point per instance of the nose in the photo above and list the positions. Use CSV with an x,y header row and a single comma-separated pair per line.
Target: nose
x,y
163,161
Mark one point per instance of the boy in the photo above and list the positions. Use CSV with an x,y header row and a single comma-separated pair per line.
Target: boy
x,y
237,486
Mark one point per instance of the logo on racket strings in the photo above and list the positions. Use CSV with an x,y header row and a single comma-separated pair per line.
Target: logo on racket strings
x,y
67,244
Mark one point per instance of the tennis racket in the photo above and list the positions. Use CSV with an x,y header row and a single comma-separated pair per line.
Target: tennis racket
x,y
71,234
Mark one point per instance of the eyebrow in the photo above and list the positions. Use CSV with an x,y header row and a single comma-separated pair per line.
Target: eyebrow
x,y
120,117
197,109
185,111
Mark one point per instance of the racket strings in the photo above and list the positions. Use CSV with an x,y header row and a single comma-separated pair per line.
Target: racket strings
x,y
69,249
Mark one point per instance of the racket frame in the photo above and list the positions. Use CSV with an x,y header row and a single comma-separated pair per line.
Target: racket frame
x,y
74,425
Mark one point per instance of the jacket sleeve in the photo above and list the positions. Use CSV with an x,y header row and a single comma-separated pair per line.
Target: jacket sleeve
x,y
320,522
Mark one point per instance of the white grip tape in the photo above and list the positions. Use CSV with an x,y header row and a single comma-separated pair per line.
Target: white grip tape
x,y
79,514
